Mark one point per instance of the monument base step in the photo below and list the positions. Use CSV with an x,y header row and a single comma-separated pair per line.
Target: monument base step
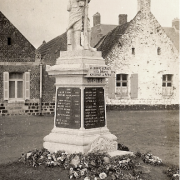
x,y
75,141
120,153
70,149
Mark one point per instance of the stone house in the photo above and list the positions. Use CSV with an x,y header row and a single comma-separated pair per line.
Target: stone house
x,y
144,60
100,30
20,70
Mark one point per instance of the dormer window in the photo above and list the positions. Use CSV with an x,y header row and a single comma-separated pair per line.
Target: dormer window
x,y
133,51
158,51
9,41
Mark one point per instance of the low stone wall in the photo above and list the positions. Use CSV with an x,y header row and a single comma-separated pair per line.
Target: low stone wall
x,y
26,109
142,107
48,108
3,110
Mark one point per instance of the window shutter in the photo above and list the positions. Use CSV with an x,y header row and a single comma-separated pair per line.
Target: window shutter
x,y
134,86
6,85
111,85
27,85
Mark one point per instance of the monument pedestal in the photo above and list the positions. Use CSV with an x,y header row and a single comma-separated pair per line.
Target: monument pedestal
x,y
80,112
78,140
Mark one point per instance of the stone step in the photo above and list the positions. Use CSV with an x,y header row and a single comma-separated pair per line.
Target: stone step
x,y
120,153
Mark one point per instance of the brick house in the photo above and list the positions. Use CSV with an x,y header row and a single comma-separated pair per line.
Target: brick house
x,y
144,60
19,72
25,87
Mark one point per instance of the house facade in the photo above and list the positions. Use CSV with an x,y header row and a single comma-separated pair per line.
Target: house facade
x,y
144,61
19,72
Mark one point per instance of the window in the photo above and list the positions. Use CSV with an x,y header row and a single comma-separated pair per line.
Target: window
x,y
15,85
167,84
122,84
158,51
9,41
167,80
133,51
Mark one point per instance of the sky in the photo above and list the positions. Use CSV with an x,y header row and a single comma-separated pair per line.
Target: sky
x,y
40,20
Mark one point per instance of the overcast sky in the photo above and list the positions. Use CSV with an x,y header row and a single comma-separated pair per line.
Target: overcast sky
x,y
40,20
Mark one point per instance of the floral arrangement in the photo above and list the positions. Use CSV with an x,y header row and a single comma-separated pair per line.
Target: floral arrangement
x,y
173,172
92,166
149,158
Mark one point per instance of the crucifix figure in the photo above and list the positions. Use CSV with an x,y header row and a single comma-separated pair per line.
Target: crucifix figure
x,y
78,22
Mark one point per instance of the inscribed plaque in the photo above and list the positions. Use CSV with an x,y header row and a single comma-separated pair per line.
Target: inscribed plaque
x,y
68,108
94,108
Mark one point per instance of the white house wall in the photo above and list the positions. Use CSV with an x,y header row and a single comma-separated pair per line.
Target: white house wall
x,y
145,35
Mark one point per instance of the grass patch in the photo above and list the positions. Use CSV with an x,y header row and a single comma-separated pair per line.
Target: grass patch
x,y
153,131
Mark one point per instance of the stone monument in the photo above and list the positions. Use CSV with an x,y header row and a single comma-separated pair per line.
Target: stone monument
x,y
80,123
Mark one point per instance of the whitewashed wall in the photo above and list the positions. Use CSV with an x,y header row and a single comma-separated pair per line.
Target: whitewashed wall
x,y
145,34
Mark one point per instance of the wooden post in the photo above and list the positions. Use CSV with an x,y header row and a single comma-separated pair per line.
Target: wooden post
x,y
40,96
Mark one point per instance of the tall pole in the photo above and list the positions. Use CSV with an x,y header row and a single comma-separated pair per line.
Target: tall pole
x,y
40,100
86,40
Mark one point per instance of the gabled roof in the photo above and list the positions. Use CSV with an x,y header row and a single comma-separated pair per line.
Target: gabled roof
x,y
50,51
173,35
21,49
107,28
58,43
4,18
108,41
100,30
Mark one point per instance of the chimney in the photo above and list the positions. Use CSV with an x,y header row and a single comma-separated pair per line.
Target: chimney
x,y
175,23
122,19
96,19
144,5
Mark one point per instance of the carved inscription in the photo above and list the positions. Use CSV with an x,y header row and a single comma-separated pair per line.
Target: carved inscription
x,y
99,71
94,108
94,80
68,109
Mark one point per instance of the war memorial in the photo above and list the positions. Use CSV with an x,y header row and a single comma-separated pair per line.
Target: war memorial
x,y
79,141
80,123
